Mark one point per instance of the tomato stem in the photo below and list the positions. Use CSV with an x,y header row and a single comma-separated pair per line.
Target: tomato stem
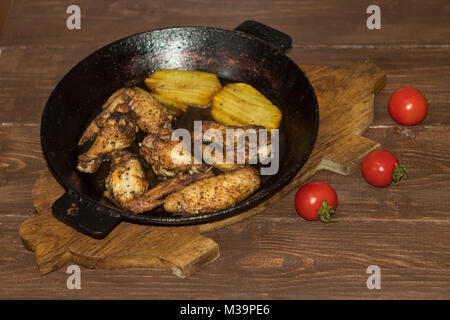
x,y
325,212
399,172
426,97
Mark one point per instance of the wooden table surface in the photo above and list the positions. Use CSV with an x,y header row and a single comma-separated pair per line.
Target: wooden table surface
x,y
404,230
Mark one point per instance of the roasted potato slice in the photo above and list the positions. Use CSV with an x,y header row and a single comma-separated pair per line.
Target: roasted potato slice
x,y
165,100
241,104
184,87
225,118
174,111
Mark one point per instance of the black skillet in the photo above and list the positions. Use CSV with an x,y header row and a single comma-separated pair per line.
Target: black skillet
x,y
252,53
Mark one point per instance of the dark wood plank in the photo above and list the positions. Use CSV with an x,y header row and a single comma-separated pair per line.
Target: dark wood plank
x,y
263,258
21,161
426,69
4,9
28,76
27,82
308,22
423,196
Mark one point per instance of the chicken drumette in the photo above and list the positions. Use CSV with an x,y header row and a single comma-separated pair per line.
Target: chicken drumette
x,y
116,131
126,184
215,193
151,116
126,179
155,196
245,142
169,158
192,188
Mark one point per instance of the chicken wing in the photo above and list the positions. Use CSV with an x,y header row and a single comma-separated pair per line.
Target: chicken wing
x,y
217,159
117,98
237,138
151,116
222,128
117,131
154,197
215,193
168,158
126,179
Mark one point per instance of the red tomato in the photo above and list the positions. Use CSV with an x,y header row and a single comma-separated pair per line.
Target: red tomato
x,y
408,106
316,200
381,167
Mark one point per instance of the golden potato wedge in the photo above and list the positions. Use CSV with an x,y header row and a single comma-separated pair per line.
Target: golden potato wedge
x,y
165,100
225,118
195,88
174,111
241,104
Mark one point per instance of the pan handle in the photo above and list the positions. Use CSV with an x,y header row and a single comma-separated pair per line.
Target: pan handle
x,y
84,216
275,38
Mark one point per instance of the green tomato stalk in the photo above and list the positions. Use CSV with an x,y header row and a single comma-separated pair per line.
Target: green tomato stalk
x,y
399,172
325,212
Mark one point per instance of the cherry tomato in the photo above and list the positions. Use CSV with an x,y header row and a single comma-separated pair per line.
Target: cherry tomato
x,y
316,200
408,106
381,167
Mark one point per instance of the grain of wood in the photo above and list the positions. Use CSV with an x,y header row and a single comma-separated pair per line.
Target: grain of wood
x,y
4,8
21,162
308,22
266,259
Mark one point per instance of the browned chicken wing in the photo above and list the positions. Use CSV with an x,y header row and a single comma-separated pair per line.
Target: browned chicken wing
x,y
193,188
151,116
117,131
108,107
215,193
217,159
211,130
155,196
126,179
168,158
222,129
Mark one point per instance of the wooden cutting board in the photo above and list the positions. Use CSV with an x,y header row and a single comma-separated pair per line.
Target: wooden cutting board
x,y
346,99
